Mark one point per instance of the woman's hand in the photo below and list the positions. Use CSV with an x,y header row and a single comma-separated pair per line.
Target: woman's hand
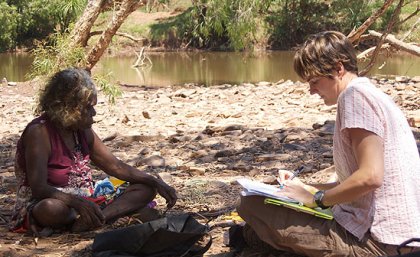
x,y
89,215
285,175
295,189
167,192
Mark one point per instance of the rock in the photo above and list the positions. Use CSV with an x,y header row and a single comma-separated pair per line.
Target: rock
x,y
327,154
152,161
294,147
272,157
270,180
197,171
198,154
146,115
254,172
166,176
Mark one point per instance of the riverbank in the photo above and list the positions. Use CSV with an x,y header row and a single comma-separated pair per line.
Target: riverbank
x,y
198,139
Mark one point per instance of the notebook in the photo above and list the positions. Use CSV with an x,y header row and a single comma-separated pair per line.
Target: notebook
x,y
273,196
322,213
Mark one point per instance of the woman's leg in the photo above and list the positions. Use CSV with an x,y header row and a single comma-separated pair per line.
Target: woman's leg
x,y
135,197
301,233
53,213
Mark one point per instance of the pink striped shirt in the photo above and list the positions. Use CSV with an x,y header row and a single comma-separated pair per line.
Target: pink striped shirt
x,y
391,212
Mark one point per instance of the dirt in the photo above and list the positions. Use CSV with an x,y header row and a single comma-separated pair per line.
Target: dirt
x,y
198,139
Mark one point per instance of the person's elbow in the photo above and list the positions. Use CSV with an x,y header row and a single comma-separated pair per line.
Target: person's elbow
x,y
374,179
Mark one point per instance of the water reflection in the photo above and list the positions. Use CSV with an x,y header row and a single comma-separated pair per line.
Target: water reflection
x,y
14,66
203,68
227,67
207,68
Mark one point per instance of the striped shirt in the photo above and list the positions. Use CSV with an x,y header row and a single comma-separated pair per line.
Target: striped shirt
x,y
391,212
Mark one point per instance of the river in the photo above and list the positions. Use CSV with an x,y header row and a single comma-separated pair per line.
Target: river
x,y
206,68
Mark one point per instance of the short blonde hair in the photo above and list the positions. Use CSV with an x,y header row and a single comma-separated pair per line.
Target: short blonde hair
x,y
65,96
321,53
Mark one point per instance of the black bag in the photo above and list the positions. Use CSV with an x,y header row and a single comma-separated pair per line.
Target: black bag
x,y
169,236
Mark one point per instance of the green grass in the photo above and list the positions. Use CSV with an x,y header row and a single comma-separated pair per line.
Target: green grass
x,y
408,9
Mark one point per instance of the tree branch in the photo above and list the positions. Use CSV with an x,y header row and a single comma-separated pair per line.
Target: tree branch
x,y
354,35
378,47
121,34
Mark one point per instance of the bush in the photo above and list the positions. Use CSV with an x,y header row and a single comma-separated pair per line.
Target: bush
x,y
8,21
240,24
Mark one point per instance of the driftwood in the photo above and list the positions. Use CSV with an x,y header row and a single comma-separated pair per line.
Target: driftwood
x,y
390,39
141,57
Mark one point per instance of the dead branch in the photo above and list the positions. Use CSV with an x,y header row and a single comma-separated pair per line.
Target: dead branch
x,y
141,56
411,29
121,34
390,39
382,39
409,16
368,52
354,35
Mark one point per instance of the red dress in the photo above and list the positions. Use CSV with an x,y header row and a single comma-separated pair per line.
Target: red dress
x,y
68,171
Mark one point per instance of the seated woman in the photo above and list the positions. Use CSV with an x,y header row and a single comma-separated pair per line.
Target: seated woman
x,y
376,200
55,186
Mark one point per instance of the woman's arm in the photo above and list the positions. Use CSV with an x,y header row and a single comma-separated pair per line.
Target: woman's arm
x,y
106,161
368,149
369,152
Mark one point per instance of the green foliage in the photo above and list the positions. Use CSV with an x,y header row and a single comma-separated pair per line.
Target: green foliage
x,y
56,54
294,20
240,24
218,24
110,90
9,23
36,19
233,22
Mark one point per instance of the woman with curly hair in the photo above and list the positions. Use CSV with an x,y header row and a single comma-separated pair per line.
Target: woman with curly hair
x,y
55,186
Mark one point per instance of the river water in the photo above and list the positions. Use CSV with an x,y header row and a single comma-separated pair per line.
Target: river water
x,y
207,68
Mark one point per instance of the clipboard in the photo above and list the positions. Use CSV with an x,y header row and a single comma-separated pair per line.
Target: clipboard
x,y
318,212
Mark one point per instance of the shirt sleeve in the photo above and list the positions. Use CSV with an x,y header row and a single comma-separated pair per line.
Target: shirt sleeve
x,y
359,109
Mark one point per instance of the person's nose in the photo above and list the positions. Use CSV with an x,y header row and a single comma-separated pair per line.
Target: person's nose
x,y
93,112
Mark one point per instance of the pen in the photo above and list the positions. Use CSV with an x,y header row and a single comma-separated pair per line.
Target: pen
x,y
295,174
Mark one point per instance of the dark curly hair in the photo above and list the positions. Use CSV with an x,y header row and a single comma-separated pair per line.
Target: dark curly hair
x,y
321,53
65,96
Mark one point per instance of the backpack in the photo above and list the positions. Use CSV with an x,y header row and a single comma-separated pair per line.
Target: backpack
x,y
168,236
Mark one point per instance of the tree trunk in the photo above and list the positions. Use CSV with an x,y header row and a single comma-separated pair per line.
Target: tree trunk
x,y
81,31
126,7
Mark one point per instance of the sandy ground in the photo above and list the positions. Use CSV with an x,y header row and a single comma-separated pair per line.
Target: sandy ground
x,y
198,139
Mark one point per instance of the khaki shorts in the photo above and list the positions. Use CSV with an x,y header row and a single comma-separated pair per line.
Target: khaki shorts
x,y
288,230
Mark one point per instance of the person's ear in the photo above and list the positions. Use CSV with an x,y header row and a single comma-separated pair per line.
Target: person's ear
x,y
340,70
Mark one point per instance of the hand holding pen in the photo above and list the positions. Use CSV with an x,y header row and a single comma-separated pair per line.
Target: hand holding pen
x,y
293,175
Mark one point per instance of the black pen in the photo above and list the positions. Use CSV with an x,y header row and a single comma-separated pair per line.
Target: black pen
x,y
297,172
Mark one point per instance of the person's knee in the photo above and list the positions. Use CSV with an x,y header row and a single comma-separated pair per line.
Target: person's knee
x,y
52,212
147,192
245,207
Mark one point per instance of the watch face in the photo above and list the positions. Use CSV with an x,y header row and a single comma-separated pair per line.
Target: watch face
x,y
318,198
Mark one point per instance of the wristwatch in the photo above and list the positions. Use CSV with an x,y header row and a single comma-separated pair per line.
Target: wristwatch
x,y
318,196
